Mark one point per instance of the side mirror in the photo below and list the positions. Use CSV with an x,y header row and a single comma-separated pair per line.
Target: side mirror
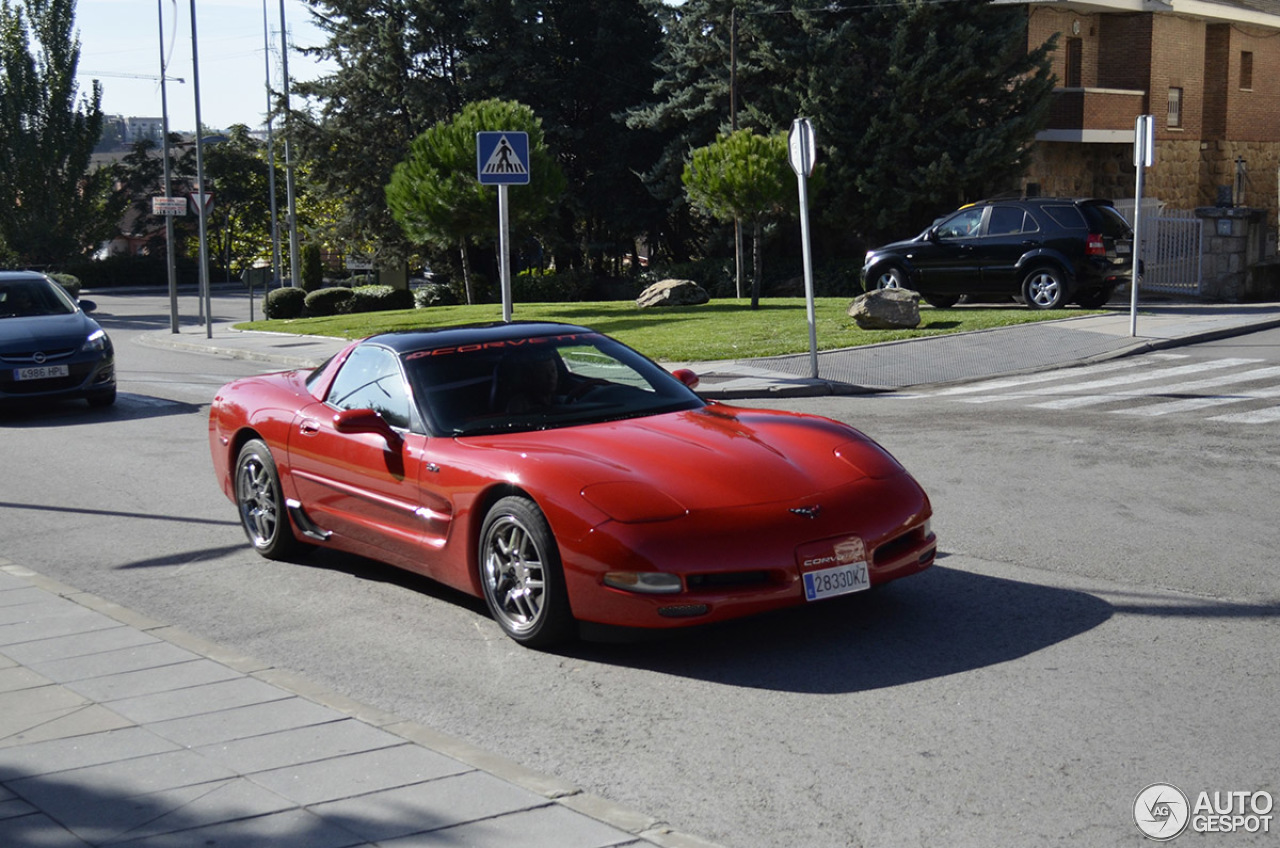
x,y
687,377
86,305
366,421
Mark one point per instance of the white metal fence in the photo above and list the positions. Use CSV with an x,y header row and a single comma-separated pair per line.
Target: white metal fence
x,y
1171,246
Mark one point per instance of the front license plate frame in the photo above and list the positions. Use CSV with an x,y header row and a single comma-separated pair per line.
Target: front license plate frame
x,y
41,372
838,580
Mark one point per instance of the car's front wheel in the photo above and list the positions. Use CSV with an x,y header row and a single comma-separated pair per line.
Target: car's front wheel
x,y
521,575
260,503
1044,287
891,277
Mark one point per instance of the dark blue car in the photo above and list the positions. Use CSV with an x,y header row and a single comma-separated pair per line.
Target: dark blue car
x,y
49,347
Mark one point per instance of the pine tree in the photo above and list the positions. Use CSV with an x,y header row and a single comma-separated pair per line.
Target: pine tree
x,y
51,207
397,73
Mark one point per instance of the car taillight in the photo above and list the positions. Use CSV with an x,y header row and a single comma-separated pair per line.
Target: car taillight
x,y
1093,245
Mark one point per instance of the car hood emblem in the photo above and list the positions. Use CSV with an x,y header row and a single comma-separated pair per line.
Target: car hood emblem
x,y
807,511
39,357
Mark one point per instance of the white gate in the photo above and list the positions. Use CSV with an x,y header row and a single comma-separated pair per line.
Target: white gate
x,y
1171,247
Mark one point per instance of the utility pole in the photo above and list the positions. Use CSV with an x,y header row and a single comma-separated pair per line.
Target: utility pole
x,y
295,265
271,154
170,260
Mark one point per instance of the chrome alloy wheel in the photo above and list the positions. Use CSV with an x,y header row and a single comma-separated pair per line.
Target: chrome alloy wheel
x,y
259,506
1043,289
514,574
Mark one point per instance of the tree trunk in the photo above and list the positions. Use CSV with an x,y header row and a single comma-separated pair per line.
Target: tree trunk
x,y
466,273
756,263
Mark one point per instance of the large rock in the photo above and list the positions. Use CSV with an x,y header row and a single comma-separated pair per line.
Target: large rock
x,y
673,293
886,309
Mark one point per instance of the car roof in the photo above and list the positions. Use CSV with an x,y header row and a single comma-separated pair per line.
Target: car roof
x,y
407,341
22,275
1044,201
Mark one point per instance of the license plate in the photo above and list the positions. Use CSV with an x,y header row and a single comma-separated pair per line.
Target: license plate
x,y
838,580
1122,247
41,372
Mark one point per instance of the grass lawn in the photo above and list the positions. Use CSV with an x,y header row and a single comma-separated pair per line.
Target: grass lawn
x,y
722,329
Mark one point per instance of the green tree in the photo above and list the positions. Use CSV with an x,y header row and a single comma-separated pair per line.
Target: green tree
x,y
581,64
240,225
917,105
434,193
397,73
51,206
744,177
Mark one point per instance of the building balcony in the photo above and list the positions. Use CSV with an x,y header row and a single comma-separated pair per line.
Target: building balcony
x,y
1097,115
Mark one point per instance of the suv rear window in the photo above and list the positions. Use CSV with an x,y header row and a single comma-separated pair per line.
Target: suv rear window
x,y
1113,223
1067,217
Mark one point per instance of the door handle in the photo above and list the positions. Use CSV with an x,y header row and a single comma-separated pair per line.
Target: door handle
x,y
309,427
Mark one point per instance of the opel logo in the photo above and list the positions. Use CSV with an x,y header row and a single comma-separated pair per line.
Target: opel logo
x,y
38,357
808,511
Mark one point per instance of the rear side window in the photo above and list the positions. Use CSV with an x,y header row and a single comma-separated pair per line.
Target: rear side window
x,y
1009,220
1067,217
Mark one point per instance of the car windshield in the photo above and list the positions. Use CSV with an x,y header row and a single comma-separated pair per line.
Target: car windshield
x,y
539,383
23,298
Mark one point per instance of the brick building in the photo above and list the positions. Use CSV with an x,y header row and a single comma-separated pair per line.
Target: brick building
x,y
1207,70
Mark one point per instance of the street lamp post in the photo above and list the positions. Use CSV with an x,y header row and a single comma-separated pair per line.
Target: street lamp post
x,y
168,182
200,193
295,269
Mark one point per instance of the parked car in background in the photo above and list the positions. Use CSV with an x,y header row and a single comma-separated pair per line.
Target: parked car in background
x,y
49,347
563,478
1045,251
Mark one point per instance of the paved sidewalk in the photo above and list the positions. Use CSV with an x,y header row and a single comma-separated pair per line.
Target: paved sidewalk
x,y
893,365
117,730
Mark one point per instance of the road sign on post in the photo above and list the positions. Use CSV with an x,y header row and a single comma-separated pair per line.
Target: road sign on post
x,y
168,206
502,159
802,151
1144,156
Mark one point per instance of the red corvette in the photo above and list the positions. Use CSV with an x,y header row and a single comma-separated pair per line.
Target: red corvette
x,y
564,478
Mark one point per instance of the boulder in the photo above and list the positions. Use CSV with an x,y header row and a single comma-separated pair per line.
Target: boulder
x,y
673,293
886,309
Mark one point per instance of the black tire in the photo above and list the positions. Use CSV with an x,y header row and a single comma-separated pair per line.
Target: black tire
x,y
260,502
941,301
521,576
891,277
1095,298
1044,287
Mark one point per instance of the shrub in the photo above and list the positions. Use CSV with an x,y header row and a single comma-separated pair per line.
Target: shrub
x,y
68,282
566,287
312,271
332,301
284,303
434,294
379,299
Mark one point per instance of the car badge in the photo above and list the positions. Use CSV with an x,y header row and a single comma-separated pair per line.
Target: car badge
x,y
807,511
38,357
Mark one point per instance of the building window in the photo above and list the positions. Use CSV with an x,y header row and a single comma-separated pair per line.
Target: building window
x,y
1072,72
1175,108
1246,69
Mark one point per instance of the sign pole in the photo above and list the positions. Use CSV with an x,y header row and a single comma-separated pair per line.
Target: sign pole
x,y
802,152
1144,155
504,253
502,160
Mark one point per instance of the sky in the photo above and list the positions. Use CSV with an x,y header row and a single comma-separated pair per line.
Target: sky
x,y
120,45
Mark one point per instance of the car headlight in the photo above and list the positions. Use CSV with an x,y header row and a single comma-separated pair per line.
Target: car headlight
x,y
97,341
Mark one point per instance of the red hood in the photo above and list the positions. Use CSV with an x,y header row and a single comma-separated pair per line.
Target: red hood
x,y
714,457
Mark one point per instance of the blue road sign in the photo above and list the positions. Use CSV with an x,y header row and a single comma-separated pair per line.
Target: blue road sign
x,y
502,158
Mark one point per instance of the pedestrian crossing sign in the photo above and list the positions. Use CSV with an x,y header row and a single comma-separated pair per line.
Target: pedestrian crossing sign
x,y
502,158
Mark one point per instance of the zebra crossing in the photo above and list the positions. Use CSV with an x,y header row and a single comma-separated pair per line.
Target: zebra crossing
x,y
1235,390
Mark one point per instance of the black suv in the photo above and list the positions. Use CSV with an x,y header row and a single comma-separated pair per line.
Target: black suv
x,y
1046,251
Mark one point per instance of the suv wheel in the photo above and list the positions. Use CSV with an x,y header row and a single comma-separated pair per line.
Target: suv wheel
x,y
891,278
1044,288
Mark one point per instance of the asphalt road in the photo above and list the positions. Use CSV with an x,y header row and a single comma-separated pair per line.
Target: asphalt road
x,y
1103,617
